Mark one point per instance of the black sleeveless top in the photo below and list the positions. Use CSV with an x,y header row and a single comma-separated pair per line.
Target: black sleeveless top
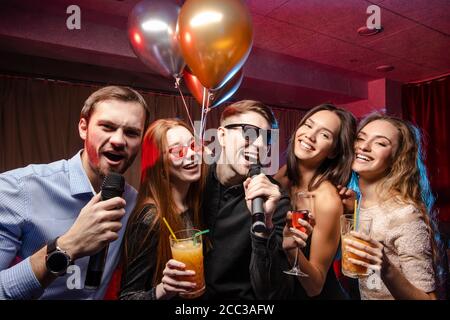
x,y
332,289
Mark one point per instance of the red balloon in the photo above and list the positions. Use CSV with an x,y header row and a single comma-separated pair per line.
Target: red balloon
x,y
218,96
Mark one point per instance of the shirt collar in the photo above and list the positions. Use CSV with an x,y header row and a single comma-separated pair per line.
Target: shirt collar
x,y
79,182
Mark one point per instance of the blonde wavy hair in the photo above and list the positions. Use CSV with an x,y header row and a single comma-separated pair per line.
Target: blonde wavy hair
x,y
408,180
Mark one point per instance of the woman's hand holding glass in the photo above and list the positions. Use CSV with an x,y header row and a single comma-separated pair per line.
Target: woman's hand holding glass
x,y
372,255
298,228
296,238
170,285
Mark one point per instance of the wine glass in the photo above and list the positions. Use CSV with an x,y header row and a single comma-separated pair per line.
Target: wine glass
x,y
302,209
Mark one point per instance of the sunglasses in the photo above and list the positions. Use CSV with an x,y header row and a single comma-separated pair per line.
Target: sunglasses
x,y
180,151
251,132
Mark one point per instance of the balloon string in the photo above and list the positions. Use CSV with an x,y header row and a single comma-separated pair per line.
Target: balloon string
x,y
202,118
206,113
177,85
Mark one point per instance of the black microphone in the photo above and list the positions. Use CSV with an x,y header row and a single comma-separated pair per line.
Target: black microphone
x,y
258,220
113,186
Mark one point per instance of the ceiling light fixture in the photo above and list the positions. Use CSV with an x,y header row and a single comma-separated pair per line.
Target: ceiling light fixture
x,y
385,68
364,31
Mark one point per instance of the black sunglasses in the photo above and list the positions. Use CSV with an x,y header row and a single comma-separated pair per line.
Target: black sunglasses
x,y
251,132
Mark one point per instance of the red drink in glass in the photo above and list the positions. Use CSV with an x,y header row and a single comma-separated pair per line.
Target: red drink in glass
x,y
299,214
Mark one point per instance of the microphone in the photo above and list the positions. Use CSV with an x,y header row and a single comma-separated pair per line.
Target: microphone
x,y
258,220
112,186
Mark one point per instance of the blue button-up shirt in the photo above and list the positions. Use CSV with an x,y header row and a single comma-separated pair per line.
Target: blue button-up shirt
x,y
37,204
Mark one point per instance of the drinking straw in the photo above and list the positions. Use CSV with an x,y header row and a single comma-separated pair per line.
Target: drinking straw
x,y
358,210
199,233
354,215
170,229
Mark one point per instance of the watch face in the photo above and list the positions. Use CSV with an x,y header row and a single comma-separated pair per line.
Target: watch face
x,y
57,262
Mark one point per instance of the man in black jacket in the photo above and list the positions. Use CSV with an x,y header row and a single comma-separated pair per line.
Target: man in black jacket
x,y
242,264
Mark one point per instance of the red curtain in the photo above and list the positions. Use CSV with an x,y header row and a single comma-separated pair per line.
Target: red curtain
x,y
427,105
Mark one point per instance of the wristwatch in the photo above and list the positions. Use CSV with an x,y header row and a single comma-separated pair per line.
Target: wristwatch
x,y
57,260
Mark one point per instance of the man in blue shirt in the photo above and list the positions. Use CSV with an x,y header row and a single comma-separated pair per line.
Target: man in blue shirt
x,y
56,208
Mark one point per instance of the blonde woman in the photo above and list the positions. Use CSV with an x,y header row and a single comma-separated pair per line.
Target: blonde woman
x,y
395,193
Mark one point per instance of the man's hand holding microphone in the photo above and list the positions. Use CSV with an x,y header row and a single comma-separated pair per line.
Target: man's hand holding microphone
x,y
97,225
262,197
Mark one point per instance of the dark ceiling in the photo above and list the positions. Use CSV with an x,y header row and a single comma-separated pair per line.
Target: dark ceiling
x,y
304,51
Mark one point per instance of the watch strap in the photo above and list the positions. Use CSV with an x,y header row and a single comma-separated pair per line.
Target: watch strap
x,y
52,250
51,245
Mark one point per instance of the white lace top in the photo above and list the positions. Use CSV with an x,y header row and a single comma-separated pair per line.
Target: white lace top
x,y
406,238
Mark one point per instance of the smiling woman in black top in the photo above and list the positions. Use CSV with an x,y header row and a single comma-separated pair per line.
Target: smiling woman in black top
x,y
319,158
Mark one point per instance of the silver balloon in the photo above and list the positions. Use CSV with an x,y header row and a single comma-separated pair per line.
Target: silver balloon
x,y
153,36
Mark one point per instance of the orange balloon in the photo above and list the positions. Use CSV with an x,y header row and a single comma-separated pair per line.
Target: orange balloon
x,y
215,38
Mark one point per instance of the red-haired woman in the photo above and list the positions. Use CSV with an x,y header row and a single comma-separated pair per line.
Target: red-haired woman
x,y
170,188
